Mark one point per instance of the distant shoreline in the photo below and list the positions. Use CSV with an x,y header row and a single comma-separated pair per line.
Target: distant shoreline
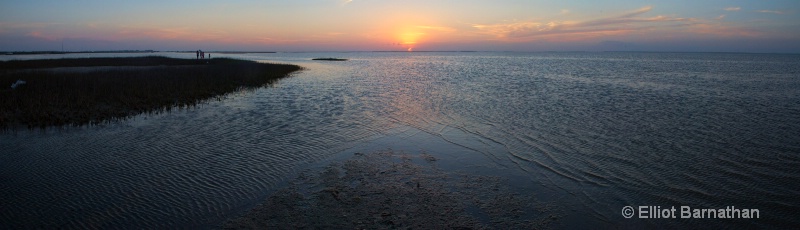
x,y
120,51
75,52
78,91
381,51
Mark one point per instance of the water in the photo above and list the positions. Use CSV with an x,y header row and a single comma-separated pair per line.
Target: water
x,y
588,132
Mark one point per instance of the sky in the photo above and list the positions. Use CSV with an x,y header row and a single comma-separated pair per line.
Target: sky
x,y
402,25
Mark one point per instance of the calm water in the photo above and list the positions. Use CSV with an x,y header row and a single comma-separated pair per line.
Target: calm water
x,y
587,132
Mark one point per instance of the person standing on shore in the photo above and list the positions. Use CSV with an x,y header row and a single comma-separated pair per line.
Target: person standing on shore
x,y
197,54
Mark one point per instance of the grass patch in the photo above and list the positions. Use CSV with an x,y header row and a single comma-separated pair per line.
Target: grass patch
x,y
64,96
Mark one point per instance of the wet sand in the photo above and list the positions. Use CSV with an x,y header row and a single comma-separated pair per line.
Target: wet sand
x,y
387,190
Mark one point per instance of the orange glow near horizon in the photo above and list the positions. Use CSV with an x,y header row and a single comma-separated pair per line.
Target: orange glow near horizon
x,y
409,39
400,25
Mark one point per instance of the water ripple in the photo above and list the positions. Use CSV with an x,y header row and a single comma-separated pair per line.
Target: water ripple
x,y
602,130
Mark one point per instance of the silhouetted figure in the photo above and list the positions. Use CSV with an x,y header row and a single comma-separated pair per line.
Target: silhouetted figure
x,y
197,54
209,55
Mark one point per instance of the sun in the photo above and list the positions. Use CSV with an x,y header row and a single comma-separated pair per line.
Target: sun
x,y
408,39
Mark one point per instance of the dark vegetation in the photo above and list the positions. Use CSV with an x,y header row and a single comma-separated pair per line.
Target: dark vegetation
x,y
93,62
122,87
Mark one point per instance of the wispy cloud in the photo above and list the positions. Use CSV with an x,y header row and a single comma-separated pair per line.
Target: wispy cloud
x,y
30,25
636,12
177,33
624,23
270,40
733,8
771,11
723,30
38,30
720,17
40,35
171,33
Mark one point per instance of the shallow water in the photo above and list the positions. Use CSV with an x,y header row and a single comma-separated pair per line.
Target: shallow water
x,y
591,132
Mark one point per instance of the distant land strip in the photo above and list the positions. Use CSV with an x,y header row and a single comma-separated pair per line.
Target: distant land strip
x,y
122,51
79,91
75,52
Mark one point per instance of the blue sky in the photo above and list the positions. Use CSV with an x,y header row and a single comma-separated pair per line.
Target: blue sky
x,y
364,25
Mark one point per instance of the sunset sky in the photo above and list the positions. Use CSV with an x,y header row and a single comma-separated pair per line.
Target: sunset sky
x,y
368,25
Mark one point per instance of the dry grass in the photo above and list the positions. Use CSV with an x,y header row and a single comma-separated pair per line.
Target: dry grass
x,y
56,98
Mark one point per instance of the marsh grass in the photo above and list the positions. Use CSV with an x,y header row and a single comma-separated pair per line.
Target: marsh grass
x,y
63,97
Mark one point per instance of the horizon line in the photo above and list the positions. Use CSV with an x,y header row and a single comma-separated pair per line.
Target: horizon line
x,y
380,51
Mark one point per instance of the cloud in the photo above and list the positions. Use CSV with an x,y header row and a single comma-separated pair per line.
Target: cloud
x,y
624,23
733,8
47,31
43,31
724,31
40,35
720,17
23,28
771,11
637,12
177,33
171,34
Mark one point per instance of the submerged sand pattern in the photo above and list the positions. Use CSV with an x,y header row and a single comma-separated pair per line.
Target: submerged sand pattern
x,y
396,190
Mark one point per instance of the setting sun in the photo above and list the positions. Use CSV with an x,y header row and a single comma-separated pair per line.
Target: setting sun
x,y
379,114
410,39
735,26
